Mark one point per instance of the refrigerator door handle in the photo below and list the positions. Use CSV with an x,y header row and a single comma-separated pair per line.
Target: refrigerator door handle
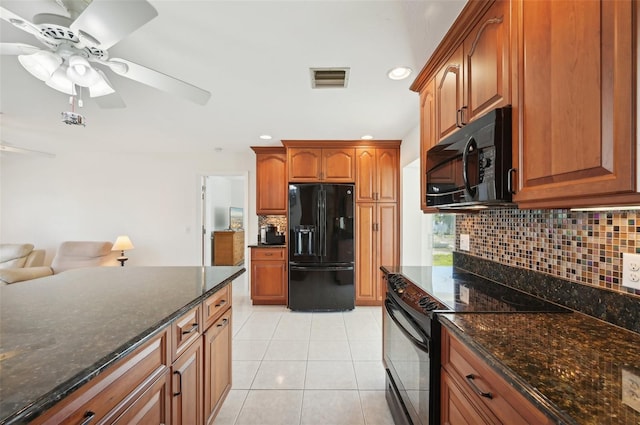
x,y
323,224
320,268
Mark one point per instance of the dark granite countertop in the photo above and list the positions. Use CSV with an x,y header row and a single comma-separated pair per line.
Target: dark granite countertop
x,y
578,369
59,332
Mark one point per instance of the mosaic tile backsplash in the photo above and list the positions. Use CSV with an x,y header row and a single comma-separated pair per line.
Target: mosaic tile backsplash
x,y
582,247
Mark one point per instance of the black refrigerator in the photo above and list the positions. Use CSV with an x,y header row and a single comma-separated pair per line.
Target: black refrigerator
x,y
321,247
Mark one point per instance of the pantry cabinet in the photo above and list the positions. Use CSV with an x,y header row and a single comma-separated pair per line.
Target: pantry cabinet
x,y
377,176
377,244
576,138
315,164
271,180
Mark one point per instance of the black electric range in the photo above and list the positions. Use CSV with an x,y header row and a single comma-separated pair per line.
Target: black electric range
x,y
412,333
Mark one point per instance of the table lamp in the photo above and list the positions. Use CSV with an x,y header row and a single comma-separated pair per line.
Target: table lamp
x,y
122,244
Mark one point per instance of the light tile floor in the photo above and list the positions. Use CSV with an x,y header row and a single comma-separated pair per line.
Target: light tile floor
x,y
304,368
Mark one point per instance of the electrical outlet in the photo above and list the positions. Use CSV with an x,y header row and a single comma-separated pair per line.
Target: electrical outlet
x,y
465,243
631,270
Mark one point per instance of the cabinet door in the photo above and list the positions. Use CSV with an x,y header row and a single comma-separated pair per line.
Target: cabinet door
x,y
187,390
217,365
305,164
268,281
427,136
387,173
387,230
487,63
576,136
449,95
366,275
456,407
271,184
365,174
338,165
152,407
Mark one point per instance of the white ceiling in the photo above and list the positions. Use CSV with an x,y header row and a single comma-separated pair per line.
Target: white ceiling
x,y
254,57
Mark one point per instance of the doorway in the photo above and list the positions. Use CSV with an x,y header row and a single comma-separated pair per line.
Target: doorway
x,y
224,208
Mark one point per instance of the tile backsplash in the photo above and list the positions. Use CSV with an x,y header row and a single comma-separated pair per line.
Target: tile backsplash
x,y
582,247
280,221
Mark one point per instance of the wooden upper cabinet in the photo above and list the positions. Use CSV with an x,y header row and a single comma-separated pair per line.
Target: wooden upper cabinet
x,y
335,165
377,171
577,137
271,180
449,95
427,136
487,65
338,165
476,76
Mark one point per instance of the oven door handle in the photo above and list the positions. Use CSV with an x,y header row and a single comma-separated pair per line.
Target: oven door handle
x,y
420,344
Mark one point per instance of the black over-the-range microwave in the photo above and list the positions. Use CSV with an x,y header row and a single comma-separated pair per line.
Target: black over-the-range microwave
x,y
472,169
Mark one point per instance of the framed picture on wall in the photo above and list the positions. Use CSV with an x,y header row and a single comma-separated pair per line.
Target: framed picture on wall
x,y
236,218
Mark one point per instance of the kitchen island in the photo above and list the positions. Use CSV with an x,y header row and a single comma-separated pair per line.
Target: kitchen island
x,y
60,332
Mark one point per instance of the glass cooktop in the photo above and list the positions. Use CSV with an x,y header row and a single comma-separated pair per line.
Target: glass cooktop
x,y
433,289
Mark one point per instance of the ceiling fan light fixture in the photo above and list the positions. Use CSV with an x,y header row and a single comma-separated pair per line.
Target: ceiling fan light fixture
x,y
80,72
102,87
41,64
61,82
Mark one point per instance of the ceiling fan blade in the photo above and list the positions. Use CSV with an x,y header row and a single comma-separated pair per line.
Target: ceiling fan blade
x,y
110,101
19,21
158,80
110,21
17,49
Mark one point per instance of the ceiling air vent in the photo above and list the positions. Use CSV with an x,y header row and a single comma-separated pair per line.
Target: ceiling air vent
x,y
322,78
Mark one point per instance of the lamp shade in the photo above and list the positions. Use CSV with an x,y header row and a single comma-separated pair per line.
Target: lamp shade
x,y
61,82
102,87
81,73
41,64
122,243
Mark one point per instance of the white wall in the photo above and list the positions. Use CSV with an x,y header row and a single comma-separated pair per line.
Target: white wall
x,y
153,198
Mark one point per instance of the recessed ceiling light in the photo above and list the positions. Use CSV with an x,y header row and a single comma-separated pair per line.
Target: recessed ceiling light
x,y
399,73
265,137
367,137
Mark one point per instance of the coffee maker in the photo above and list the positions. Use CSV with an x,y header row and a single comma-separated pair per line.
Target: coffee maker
x,y
269,235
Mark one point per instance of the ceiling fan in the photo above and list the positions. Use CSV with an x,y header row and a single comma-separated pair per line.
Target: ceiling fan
x,y
74,44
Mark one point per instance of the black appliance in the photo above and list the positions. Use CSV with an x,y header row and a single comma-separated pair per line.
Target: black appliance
x,y
472,167
269,235
415,295
321,248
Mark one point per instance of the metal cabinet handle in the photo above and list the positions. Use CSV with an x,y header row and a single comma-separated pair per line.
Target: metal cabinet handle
x,y
192,329
88,417
224,323
462,122
268,254
221,303
510,185
478,391
177,372
458,118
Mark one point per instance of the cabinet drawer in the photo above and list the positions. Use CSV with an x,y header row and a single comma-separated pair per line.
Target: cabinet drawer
x,y
215,305
271,254
185,330
476,377
113,391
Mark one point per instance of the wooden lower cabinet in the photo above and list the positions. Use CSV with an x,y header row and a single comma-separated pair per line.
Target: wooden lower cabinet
x,y
269,275
474,393
377,230
217,365
146,387
186,395
152,407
